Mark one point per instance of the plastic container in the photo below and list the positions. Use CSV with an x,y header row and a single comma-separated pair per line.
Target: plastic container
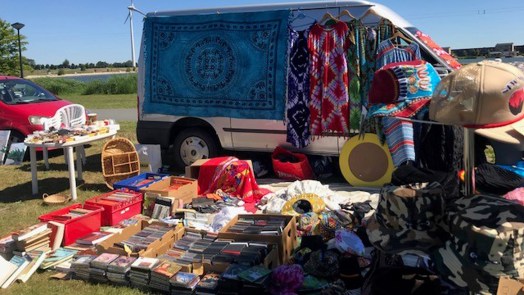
x,y
116,211
140,181
77,227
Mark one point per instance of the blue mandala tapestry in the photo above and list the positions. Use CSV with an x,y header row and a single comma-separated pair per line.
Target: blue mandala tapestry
x,y
220,65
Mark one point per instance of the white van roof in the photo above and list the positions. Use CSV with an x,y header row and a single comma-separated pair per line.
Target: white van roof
x,y
361,6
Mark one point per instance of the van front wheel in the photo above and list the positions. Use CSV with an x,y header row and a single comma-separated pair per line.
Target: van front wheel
x,y
193,144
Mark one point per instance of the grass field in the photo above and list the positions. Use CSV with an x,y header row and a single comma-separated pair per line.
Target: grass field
x,y
19,209
101,101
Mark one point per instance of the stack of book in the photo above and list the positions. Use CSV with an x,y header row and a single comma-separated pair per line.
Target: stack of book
x,y
244,279
94,238
183,283
140,273
208,285
188,250
255,279
199,221
251,225
246,253
162,208
120,197
161,274
118,270
229,280
35,237
7,246
73,213
142,239
81,266
99,265
212,250
56,257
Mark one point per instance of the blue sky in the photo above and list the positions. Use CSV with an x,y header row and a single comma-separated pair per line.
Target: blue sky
x,y
94,30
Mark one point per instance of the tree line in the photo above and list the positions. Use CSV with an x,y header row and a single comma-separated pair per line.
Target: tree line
x,y
82,66
9,59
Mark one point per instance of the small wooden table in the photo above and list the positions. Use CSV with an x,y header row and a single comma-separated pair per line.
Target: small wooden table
x,y
68,152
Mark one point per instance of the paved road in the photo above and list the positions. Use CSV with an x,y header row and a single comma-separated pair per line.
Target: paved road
x,y
116,114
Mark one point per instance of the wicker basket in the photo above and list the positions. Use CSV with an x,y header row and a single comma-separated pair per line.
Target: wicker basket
x,y
119,160
55,199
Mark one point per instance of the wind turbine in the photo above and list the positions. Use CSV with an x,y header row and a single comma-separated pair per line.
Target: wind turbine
x,y
132,8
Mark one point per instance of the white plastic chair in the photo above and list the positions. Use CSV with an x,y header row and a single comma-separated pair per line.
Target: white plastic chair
x,y
68,116
73,115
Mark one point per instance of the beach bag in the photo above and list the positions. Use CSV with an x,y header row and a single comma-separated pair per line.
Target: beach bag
x,y
388,273
291,166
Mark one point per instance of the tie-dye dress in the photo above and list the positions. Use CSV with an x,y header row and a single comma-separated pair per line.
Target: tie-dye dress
x,y
297,117
329,104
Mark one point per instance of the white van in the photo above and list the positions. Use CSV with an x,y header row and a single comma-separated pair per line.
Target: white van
x,y
194,137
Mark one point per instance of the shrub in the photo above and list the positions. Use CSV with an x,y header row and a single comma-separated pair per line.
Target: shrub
x,y
118,84
60,86
61,72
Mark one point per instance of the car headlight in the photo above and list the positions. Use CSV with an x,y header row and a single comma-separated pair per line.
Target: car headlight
x,y
37,120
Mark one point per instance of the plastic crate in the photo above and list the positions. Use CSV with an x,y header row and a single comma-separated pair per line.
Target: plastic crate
x,y
116,211
137,182
77,227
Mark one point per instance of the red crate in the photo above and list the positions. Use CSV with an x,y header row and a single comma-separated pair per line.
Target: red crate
x,y
76,227
116,211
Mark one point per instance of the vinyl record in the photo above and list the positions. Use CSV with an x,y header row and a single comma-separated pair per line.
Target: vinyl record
x,y
366,162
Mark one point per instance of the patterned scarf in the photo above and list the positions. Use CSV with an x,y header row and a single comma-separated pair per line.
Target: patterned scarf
x,y
231,175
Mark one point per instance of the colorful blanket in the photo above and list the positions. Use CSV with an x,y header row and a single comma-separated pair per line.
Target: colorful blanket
x,y
225,65
233,177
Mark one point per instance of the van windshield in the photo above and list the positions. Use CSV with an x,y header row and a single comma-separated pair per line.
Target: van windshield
x,y
18,91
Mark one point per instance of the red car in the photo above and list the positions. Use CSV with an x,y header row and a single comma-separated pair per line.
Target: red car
x,y
23,105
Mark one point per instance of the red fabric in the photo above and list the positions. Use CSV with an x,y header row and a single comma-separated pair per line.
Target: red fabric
x,y
233,176
450,60
329,104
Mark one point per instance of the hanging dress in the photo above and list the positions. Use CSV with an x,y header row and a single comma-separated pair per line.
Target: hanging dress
x,y
297,118
370,38
355,51
329,105
399,134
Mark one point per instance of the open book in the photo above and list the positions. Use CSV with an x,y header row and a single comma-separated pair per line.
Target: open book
x,y
20,263
37,257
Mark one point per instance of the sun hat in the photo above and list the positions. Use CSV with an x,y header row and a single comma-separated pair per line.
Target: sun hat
x,y
487,241
487,96
408,217
402,89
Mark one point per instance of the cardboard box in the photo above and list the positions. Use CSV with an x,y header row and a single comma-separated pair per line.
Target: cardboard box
x,y
509,286
155,249
286,242
186,191
193,170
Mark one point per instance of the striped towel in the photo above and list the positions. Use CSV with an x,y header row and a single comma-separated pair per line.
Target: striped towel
x,y
399,137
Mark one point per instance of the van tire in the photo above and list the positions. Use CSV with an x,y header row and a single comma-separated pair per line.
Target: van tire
x,y
192,144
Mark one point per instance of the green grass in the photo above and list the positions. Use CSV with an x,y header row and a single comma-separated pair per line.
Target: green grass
x,y
20,209
103,101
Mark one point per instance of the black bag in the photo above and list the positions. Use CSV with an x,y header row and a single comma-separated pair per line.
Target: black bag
x,y
388,275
